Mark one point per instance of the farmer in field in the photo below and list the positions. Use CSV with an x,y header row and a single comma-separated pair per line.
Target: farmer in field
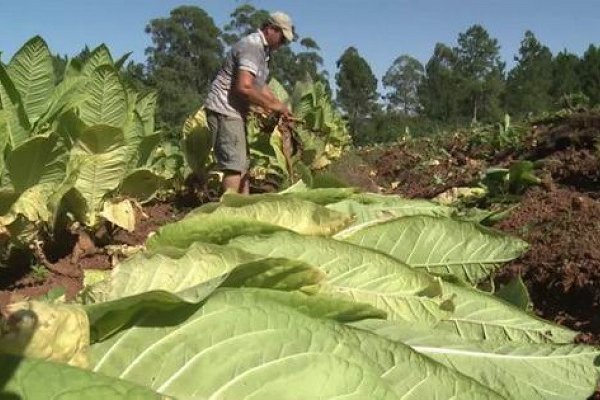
x,y
240,83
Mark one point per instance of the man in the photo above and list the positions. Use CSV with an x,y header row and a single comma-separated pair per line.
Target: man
x,y
241,82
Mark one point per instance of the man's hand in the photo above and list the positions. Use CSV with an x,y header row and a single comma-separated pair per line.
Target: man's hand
x,y
283,110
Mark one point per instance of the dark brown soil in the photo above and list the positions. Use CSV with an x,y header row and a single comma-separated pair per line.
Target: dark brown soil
x,y
65,264
562,266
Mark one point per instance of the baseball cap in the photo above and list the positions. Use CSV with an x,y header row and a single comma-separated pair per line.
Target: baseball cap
x,y
284,22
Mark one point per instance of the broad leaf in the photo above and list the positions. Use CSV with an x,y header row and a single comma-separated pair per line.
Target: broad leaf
x,y
300,216
250,344
102,161
515,370
207,228
32,73
33,379
13,119
100,56
32,204
107,99
358,274
481,316
36,160
178,276
196,142
370,209
321,196
121,213
141,184
442,245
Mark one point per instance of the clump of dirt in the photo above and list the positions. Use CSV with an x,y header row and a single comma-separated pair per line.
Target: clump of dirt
x,y
149,219
562,266
425,168
355,170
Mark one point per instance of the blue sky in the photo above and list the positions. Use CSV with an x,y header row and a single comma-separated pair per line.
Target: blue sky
x,y
381,30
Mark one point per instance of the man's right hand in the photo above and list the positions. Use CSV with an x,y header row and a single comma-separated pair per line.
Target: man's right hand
x,y
282,109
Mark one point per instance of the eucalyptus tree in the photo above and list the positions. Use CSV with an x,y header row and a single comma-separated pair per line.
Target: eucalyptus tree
x,y
565,78
185,55
482,73
403,79
357,86
440,90
529,83
589,73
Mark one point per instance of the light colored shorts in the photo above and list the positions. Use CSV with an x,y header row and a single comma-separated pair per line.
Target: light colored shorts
x,y
230,144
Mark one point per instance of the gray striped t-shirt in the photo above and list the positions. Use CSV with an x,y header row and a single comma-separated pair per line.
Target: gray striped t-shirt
x,y
250,54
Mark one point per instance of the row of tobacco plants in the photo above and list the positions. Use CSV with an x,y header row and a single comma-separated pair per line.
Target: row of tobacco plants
x,y
80,153
75,152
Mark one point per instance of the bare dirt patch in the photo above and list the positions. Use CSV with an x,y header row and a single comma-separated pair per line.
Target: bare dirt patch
x,y
65,258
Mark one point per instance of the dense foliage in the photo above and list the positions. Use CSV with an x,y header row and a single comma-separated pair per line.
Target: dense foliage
x,y
77,151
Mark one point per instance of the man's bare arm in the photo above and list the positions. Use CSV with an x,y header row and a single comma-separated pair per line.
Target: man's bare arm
x,y
262,97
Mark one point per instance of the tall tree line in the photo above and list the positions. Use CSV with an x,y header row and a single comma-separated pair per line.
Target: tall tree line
x,y
459,84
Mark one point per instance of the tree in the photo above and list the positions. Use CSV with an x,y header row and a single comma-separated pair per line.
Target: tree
x,y
440,91
404,77
357,86
529,83
589,74
565,78
183,60
286,65
480,68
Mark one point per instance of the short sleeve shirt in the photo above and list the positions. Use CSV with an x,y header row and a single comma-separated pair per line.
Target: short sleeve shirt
x,y
249,54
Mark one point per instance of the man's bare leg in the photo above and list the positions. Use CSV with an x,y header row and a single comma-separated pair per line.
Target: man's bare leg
x,y
236,182
245,184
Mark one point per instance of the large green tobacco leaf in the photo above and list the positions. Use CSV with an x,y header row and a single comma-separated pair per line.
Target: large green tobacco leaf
x,y
141,184
515,370
68,94
207,228
175,270
146,108
107,102
39,159
100,56
34,379
442,245
177,276
521,371
481,316
102,162
370,209
13,119
298,215
32,204
214,223
257,344
358,274
32,74
197,142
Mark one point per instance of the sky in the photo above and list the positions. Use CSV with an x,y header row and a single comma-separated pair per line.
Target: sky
x,y
381,30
